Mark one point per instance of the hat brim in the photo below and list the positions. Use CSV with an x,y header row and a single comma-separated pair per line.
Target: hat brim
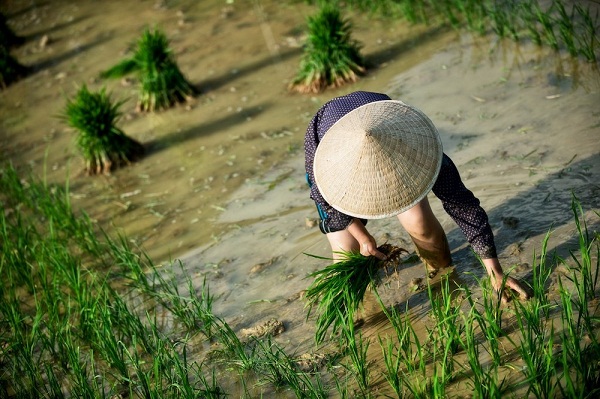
x,y
378,160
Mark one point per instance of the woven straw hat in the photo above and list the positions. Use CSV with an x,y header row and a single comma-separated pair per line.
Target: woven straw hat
x,y
378,160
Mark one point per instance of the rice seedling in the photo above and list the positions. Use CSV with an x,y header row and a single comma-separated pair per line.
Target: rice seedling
x,y
449,12
194,311
8,38
101,143
589,273
51,203
54,388
474,13
208,389
501,15
546,22
180,383
10,69
148,380
161,83
483,381
529,21
587,39
338,289
131,263
446,313
578,358
235,352
331,57
536,345
408,356
84,380
280,370
489,319
581,347
393,363
357,349
566,27
276,367
24,339
413,11
17,252
113,351
411,357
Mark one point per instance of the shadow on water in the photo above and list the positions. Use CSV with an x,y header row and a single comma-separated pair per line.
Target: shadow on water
x,y
391,53
551,199
54,28
33,5
45,64
216,126
225,79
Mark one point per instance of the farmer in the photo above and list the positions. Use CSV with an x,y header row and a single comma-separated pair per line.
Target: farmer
x,y
370,157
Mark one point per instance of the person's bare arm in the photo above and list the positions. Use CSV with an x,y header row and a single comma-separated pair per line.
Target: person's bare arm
x,y
368,246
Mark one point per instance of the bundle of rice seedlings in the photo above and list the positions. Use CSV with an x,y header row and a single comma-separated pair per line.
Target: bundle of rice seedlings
x,y
339,288
8,38
161,83
102,144
331,58
10,69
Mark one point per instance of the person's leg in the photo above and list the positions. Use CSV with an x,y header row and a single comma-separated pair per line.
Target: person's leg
x,y
342,241
427,235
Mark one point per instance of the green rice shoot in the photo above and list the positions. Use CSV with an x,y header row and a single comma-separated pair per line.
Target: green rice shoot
x,y
338,289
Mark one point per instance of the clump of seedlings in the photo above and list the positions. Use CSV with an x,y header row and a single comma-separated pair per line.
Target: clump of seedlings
x,y
10,69
102,144
161,83
339,288
331,57
8,37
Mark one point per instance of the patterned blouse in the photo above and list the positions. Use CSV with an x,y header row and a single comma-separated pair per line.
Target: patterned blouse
x,y
460,203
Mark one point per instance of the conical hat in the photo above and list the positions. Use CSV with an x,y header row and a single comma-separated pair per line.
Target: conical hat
x,y
378,160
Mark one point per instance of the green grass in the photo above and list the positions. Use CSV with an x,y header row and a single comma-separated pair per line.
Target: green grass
x,y
161,83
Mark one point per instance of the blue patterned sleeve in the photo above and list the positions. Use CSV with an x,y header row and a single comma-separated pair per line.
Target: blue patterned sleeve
x,y
464,208
332,219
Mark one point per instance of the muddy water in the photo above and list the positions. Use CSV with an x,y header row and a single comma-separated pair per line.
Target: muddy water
x,y
241,56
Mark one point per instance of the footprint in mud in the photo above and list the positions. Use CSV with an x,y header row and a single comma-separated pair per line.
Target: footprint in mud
x,y
259,267
272,327
311,362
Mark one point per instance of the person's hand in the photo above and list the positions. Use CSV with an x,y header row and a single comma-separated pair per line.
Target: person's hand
x,y
368,246
504,286
512,285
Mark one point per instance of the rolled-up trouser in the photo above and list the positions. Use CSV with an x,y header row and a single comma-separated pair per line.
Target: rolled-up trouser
x,y
435,255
